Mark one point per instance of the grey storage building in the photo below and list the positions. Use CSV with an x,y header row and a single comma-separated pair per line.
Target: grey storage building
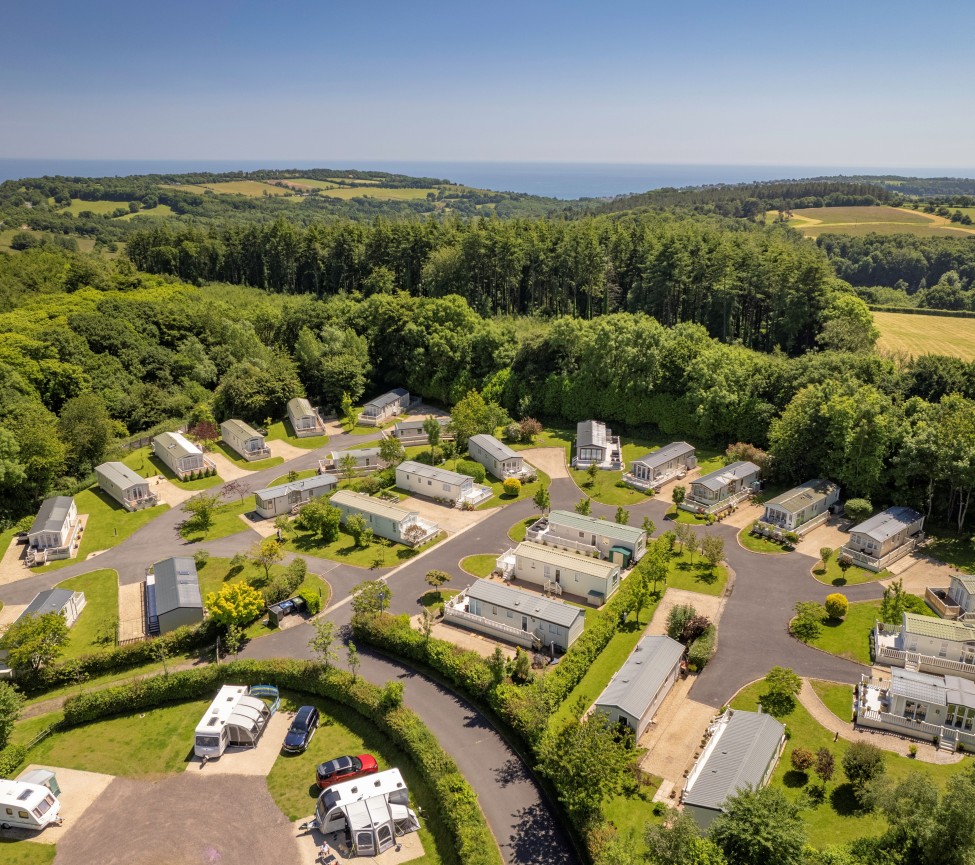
x,y
173,595
742,751
125,486
636,691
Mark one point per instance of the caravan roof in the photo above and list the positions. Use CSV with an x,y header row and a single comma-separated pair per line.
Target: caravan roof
x,y
231,706
359,789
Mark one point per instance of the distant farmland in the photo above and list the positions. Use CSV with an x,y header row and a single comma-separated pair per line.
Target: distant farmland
x,y
858,221
926,334
252,188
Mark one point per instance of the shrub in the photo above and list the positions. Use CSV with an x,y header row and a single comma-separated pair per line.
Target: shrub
x,y
836,605
802,759
10,758
512,432
200,558
512,486
530,427
808,621
472,470
702,649
694,628
369,485
385,478
863,763
313,601
857,510
677,619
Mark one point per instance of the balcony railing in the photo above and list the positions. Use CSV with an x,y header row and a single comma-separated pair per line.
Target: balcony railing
x,y
872,563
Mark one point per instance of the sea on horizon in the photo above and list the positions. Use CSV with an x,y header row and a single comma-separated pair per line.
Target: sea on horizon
x,y
553,179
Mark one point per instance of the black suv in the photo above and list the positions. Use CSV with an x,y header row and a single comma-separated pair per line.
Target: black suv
x,y
302,729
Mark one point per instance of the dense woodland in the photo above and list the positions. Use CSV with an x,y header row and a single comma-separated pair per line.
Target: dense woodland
x,y
92,350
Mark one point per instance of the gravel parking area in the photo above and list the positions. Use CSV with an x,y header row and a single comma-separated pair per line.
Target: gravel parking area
x,y
549,460
183,819
247,761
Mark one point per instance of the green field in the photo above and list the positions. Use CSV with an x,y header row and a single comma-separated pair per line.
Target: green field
x,y
95,628
78,205
859,221
158,210
926,334
251,188
409,194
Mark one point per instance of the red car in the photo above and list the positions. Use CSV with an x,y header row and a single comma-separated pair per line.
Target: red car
x,y
345,769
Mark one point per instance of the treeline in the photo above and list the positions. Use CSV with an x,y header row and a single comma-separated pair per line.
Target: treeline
x,y
91,351
899,260
763,288
751,200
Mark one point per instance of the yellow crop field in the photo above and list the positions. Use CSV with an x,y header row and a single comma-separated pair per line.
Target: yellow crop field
x,y
378,192
252,188
926,334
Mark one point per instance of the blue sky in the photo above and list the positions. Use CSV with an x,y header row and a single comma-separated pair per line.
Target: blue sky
x,y
823,83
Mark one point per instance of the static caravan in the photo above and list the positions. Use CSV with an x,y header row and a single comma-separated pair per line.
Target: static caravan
x,y
305,420
272,501
655,469
55,526
798,509
244,440
884,538
596,445
173,595
373,811
561,571
27,806
386,519
637,689
365,459
571,531
382,408
437,483
722,488
237,716
410,432
180,454
67,602
496,457
125,486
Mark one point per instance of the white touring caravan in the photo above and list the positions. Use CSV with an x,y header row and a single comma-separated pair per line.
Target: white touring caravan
x,y
27,806
237,716
373,811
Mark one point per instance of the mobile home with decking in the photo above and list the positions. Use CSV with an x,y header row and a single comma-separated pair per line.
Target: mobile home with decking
x,y
884,538
656,468
386,519
55,527
571,531
366,460
722,488
803,507
305,420
410,433
243,439
516,616
575,573
180,455
437,483
281,499
496,457
637,689
124,485
596,445
379,410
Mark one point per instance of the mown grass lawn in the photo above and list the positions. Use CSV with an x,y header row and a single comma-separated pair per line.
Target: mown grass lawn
x,y
837,698
291,781
344,549
144,464
16,852
283,431
480,565
500,497
95,627
837,820
834,575
676,515
250,465
226,520
603,668
850,637
519,530
550,437
758,544
145,743
957,552
604,489
697,575
298,476
108,525
434,600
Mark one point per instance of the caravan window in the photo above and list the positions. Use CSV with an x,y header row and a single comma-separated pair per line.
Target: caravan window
x,y
363,842
208,741
23,815
44,806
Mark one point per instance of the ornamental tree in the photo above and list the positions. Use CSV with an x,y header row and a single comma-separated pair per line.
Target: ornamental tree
x,y
234,604
836,605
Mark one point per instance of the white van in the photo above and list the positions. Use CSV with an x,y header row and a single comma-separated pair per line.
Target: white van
x,y
27,806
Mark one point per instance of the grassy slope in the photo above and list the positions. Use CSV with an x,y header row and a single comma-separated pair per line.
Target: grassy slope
x,y
926,334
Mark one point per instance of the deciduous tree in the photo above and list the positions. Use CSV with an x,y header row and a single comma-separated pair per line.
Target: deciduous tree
x,y
781,687
234,604
759,827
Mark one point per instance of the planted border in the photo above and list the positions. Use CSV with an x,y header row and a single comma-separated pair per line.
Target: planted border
x,y
457,802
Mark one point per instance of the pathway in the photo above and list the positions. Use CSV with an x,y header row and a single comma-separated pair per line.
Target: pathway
x,y
887,741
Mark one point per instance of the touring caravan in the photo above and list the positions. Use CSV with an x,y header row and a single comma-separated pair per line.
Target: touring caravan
x,y
237,716
27,806
373,811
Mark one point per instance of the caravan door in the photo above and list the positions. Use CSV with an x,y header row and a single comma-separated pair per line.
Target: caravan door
x,y
385,837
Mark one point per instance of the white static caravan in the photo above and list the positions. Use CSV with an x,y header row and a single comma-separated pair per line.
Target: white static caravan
x,y
27,806
237,716
244,440
373,811
282,499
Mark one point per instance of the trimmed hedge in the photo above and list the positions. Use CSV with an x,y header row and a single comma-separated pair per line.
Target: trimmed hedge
x,y
177,642
917,310
702,649
10,758
457,804
472,470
